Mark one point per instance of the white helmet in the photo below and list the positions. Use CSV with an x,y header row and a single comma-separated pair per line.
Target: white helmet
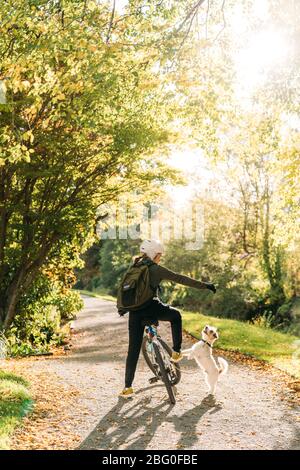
x,y
151,248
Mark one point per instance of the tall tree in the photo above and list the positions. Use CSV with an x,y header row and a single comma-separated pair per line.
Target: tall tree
x,y
84,120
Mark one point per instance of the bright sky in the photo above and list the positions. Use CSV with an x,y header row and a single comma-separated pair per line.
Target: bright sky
x,y
195,169
204,178
264,51
120,5
257,53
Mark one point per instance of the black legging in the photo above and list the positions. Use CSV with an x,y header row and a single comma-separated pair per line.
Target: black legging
x,y
153,312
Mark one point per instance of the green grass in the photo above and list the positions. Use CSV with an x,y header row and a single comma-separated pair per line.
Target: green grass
x,y
263,343
99,293
274,347
15,402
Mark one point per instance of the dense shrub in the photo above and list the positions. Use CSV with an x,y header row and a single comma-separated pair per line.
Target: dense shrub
x,y
68,304
283,316
227,303
41,313
35,330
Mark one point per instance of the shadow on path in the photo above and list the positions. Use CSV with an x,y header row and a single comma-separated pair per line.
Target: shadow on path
x,y
133,427
295,443
187,423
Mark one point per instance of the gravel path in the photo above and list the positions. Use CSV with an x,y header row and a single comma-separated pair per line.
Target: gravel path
x,y
247,413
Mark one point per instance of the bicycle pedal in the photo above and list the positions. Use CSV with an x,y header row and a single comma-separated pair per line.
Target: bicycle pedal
x,y
153,380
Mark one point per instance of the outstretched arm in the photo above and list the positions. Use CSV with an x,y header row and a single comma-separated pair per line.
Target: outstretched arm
x,y
169,275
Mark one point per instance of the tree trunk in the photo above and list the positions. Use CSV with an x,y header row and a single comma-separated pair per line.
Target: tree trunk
x,y
272,263
12,297
23,279
3,222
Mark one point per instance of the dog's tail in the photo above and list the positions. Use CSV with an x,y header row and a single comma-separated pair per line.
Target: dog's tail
x,y
223,366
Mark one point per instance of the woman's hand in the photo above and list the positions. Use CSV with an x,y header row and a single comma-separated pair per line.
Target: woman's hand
x,y
122,312
211,287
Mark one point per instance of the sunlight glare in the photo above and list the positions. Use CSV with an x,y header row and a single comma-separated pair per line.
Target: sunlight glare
x,y
121,5
265,51
194,167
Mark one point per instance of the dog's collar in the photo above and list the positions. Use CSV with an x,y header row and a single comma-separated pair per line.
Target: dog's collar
x,y
207,343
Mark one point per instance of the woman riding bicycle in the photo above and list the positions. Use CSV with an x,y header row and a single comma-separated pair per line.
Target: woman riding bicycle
x,y
154,310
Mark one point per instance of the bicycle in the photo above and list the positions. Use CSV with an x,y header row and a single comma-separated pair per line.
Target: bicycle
x,y
157,356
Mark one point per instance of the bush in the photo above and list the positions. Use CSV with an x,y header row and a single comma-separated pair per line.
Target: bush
x,y
41,312
227,302
34,330
68,304
231,303
283,316
270,316
264,321
293,329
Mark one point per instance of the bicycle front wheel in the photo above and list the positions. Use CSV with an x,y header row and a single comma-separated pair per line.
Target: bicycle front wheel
x,y
164,374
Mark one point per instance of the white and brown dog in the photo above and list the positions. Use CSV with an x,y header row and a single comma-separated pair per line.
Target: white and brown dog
x,y
202,353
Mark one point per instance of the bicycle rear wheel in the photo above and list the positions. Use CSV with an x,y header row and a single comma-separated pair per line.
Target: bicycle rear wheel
x,y
175,373
164,374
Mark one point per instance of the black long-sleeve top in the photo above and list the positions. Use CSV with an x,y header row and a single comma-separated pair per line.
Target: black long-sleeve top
x,y
159,273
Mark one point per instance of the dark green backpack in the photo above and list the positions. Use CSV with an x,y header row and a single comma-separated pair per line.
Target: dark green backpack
x,y
135,289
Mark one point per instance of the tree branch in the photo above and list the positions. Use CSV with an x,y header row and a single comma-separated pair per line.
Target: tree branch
x,y
111,21
224,22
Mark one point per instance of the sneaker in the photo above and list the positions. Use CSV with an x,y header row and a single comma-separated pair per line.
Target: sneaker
x,y
176,356
127,392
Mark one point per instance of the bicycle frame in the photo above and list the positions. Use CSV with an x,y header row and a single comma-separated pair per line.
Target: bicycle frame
x,y
151,333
